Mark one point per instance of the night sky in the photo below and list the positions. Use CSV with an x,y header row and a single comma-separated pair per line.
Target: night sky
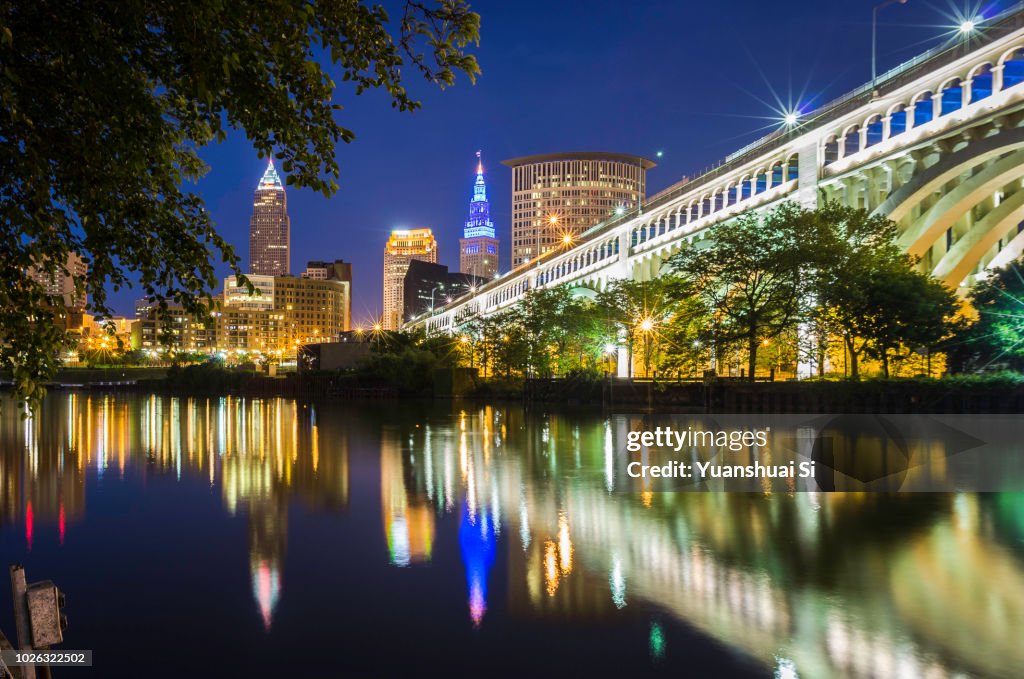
x,y
696,80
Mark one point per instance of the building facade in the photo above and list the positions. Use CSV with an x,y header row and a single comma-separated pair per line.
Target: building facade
x,y
428,285
270,227
557,196
338,270
172,328
404,246
478,247
238,296
60,284
288,313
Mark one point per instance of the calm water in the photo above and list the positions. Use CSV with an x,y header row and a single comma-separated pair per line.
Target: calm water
x,y
229,536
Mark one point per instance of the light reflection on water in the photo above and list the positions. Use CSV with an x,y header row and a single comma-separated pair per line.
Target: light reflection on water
x,y
802,584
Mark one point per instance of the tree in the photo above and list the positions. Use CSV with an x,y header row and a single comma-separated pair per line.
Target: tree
x,y
638,310
748,272
844,250
548,317
104,105
904,307
996,336
687,337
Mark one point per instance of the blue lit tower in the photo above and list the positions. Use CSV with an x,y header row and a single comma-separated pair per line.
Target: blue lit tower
x,y
478,248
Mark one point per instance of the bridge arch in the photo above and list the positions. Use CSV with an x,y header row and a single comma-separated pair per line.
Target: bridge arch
x,y
954,204
964,256
928,181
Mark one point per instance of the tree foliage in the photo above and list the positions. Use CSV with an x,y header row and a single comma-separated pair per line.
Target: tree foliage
x,y
105,105
995,339
748,272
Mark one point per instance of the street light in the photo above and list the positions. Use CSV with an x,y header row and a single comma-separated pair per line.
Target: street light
x,y
874,36
646,325
552,223
967,27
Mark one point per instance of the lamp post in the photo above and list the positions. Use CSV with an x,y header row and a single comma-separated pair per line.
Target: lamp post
x,y
435,289
874,36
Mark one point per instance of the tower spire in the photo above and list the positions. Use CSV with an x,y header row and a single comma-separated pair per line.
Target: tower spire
x,y
478,248
270,180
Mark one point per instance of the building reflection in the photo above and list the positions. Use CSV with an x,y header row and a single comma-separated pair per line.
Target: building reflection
x,y
262,452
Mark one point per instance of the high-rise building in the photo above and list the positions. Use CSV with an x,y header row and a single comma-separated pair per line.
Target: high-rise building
x,y
478,248
558,196
428,285
269,228
402,247
59,284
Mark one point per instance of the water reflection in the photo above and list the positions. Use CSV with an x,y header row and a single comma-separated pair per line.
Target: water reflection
x,y
249,447
807,584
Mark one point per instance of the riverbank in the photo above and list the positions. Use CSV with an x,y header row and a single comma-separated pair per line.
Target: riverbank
x,y
996,393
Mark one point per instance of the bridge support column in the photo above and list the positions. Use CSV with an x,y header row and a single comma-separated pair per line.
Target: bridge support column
x,y
622,362
807,176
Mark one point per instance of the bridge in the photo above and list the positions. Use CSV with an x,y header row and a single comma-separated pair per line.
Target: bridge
x,y
936,144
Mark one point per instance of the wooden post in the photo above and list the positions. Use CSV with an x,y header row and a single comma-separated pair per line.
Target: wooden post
x,y
18,588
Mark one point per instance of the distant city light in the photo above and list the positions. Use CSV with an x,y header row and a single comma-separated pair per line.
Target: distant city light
x,y
620,210
659,154
791,118
566,239
967,26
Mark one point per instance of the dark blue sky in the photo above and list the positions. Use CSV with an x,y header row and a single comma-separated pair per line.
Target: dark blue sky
x,y
693,79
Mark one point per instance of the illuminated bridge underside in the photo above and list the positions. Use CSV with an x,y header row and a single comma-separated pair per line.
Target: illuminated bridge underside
x,y
939,149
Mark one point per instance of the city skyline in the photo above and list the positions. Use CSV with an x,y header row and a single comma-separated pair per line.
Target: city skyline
x,y
425,153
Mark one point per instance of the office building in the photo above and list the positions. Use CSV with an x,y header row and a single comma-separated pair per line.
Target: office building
x,y
404,246
428,285
60,284
338,270
269,228
478,247
558,196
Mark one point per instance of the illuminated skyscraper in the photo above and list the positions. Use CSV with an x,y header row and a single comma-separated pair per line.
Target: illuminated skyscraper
x,y
478,248
269,228
556,196
403,247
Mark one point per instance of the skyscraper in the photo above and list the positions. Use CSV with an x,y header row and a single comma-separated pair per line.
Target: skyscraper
x,y
403,247
560,195
478,248
269,228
